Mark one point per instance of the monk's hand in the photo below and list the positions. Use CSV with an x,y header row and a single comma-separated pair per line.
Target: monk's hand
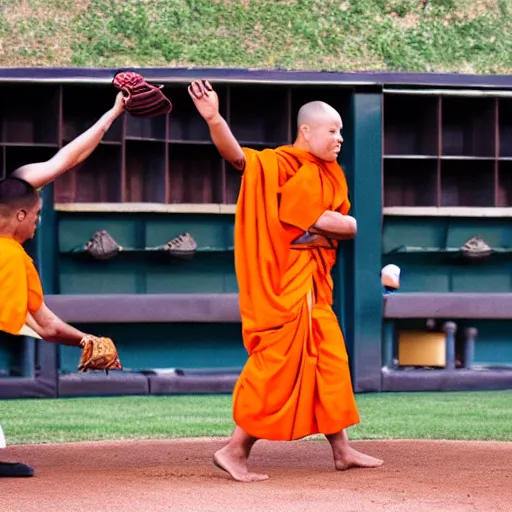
x,y
118,107
205,99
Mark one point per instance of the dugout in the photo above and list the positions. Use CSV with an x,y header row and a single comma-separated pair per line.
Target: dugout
x,y
428,160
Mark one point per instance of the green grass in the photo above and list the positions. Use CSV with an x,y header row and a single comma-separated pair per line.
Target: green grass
x,y
471,416
472,36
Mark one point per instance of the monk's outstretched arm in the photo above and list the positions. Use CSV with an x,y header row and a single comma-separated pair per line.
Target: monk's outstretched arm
x,y
225,141
207,103
335,225
51,328
41,173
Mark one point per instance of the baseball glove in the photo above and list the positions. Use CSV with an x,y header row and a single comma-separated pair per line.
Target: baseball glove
x,y
98,354
102,246
311,240
141,99
475,248
181,246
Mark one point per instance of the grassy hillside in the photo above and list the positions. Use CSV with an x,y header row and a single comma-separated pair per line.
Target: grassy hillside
x,y
469,36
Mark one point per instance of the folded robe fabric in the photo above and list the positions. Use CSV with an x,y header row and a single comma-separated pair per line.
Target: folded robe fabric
x,y
20,289
296,381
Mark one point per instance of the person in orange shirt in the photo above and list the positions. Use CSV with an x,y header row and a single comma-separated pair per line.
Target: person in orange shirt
x,y
296,381
21,296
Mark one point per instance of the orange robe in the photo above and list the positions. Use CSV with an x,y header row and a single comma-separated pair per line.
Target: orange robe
x,y
20,286
296,381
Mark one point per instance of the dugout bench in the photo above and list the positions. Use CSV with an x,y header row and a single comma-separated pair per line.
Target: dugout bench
x,y
140,308
37,371
445,309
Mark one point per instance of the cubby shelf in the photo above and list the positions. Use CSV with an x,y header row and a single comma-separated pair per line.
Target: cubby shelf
x,y
405,249
447,151
159,251
168,159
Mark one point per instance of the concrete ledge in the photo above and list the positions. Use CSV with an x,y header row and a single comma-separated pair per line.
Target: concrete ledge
x,y
23,387
140,308
182,385
446,380
100,384
146,207
448,305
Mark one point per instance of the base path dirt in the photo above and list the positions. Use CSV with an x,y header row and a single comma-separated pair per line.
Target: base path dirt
x,y
177,475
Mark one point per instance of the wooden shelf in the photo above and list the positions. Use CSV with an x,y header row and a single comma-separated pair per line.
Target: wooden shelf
x,y
447,151
411,157
460,211
17,155
145,168
233,182
52,145
504,184
439,151
83,105
195,174
166,160
468,126
411,125
194,142
505,127
259,114
469,158
204,208
97,179
441,250
146,251
29,115
410,182
467,183
153,128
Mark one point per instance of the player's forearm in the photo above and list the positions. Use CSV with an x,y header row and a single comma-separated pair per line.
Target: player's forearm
x,y
80,148
74,153
51,328
63,333
335,225
225,141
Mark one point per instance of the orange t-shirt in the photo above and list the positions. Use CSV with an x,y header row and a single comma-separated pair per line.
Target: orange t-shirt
x,y
20,287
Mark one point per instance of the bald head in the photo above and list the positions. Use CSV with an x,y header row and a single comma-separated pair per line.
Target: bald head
x,y
319,130
16,194
316,111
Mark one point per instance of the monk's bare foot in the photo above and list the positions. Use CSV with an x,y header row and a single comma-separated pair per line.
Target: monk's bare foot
x,y
350,458
236,466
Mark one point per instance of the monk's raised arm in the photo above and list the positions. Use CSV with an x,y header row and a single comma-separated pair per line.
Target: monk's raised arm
x,y
207,103
335,225
75,152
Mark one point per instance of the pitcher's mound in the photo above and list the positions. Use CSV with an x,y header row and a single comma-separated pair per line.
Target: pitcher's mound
x,y
177,475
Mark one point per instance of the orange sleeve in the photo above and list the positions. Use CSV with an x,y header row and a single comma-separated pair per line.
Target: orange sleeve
x,y
345,205
300,200
34,287
13,293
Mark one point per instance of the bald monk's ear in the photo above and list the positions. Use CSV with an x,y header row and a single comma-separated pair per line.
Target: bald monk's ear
x,y
304,130
20,215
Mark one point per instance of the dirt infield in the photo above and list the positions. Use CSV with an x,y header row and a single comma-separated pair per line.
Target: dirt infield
x,y
177,475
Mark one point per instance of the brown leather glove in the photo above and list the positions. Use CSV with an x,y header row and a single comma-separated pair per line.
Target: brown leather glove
x,y
98,354
141,99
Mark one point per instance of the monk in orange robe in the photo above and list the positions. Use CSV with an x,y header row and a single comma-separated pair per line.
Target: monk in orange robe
x,y
292,211
20,206
22,306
